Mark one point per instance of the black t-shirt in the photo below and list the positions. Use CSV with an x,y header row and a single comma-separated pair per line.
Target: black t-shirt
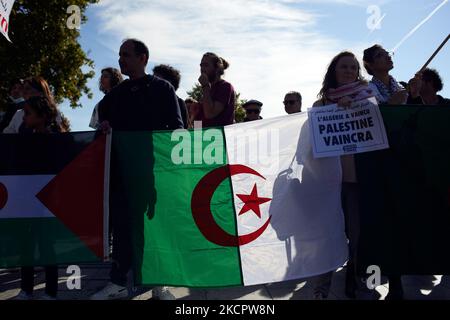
x,y
144,104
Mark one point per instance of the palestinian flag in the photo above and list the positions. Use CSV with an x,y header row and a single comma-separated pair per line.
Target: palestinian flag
x,y
241,205
53,191
405,194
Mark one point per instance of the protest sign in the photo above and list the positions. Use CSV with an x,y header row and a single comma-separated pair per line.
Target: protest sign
x,y
337,131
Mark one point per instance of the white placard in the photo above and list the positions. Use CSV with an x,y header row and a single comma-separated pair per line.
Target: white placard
x,y
5,10
339,131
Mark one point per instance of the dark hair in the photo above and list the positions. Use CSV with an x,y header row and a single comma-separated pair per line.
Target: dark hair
x,y
219,62
139,48
45,108
116,78
13,82
168,73
369,57
39,84
431,75
190,100
294,93
330,80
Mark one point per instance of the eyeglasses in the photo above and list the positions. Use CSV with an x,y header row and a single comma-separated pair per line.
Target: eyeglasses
x,y
253,111
289,102
384,54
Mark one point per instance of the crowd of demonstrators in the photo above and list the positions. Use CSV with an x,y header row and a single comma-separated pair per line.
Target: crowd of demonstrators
x,y
141,103
146,102
292,102
110,78
172,75
252,110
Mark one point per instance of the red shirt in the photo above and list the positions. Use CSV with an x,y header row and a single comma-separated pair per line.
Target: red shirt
x,y
223,92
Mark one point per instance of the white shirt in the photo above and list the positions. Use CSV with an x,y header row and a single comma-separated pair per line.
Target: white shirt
x,y
17,121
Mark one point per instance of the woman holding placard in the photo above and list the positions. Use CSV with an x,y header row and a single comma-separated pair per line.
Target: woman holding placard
x,y
342,85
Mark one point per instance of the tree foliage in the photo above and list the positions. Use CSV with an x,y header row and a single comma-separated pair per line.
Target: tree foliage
x,y
43,45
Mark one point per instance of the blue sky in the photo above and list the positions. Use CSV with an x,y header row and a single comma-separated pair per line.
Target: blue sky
x,y
273,46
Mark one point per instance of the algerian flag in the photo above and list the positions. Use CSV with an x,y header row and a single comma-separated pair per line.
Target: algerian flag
x,y
53,190
240,205
5,10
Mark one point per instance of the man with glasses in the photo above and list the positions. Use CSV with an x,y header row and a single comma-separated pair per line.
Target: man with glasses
x,y
252,110
293,102
378,63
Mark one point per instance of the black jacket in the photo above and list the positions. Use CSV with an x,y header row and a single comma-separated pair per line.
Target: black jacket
x,y
144,104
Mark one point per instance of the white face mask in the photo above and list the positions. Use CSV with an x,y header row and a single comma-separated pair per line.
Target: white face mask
x,y
18,100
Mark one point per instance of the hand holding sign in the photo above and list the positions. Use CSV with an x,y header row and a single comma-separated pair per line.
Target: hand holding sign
x,y
358,128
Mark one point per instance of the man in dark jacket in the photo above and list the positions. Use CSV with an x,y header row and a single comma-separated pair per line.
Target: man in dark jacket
x,y
141,103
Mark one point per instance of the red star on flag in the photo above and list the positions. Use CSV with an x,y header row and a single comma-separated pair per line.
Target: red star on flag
x,y
252,202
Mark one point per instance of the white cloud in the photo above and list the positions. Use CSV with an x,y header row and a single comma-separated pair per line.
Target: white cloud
x,y
272,46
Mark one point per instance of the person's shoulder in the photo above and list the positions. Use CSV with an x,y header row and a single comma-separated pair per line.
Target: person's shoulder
x,y
181,101
443,101
117,90
223,86
158,82
318,103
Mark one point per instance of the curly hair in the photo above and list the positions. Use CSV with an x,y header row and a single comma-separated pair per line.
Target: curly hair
x,y
168,73
46,109
431,75
116,78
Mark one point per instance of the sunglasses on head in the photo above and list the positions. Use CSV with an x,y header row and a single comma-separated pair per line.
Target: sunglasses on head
x,y
253,111
289,102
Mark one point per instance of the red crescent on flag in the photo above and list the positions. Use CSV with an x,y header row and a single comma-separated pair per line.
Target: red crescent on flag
x,y
3,196
201,207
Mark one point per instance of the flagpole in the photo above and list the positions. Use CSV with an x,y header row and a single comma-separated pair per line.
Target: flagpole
x,y
435,53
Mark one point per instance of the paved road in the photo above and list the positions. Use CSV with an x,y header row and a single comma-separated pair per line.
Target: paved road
x,y
95,276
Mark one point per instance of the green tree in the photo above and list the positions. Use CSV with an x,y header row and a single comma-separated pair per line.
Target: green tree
x,y
197,94
44,45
